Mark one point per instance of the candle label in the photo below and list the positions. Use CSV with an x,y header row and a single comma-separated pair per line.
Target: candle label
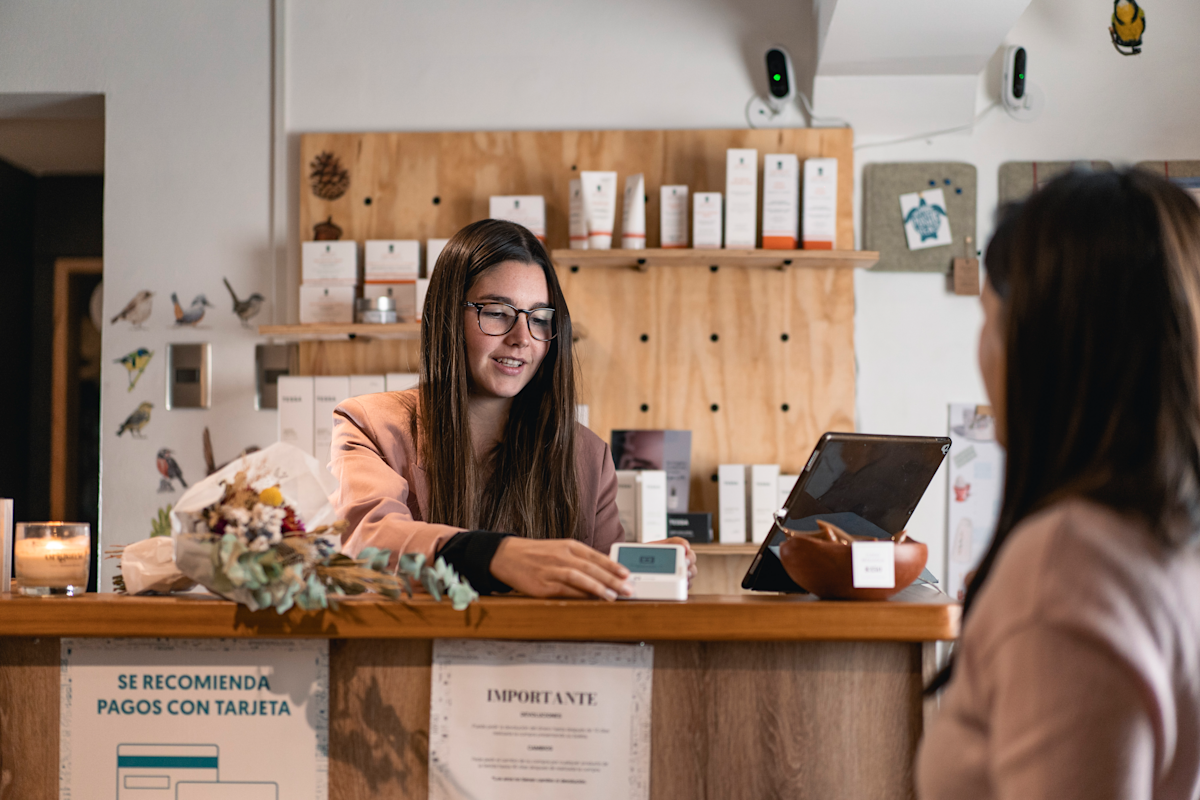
x,y
52,562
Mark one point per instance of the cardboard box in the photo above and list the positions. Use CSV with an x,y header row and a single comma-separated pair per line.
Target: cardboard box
x,y
696,528
627,502
781,201
527,210
819,223
295,415
786,484
731,500
326,304
367,384
392,261
577,229
651,498
762,497
670,451
403,293
422,290
741,198
706,220
673,216
433,249
328,392
329,263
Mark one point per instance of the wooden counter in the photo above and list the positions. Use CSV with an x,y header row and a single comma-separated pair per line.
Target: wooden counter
x,y
753,697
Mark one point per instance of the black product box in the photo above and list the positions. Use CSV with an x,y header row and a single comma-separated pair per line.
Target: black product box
x,y
696,528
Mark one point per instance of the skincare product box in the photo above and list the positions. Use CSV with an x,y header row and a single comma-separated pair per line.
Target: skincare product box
x,y
673,216
706,220
433,249
422,288
627,502
6,545
401,381
581,414
633,223
741,198
599,207
296,413
329,263
577,221
367,384
781,201
652,449
651,505
326,304
819,223
696,528
328,392
762,498
528,210
403,294
731,501
786,484
392,261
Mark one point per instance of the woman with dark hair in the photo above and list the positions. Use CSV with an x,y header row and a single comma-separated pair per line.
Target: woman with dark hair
x,y
484,463
1078,671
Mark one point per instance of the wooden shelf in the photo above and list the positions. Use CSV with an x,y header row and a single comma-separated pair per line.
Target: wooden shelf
x,y
713,549
399,330
753,259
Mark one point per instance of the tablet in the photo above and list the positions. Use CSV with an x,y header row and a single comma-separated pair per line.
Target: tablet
x,y
866,484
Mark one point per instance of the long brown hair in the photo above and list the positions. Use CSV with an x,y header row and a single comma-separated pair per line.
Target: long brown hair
x,y
1099,275
531,488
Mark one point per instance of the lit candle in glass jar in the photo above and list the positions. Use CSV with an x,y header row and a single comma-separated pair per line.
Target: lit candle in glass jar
x,y
52,557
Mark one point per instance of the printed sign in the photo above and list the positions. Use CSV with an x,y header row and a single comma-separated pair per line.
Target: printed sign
x,y
530,720
926,223
158,719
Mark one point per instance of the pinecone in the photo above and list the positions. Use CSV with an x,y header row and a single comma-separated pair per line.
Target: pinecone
x,y
329,181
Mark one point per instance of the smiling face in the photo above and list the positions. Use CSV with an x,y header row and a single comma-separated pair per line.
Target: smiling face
x,y
501,366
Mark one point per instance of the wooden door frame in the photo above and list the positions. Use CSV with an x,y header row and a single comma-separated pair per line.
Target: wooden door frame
x,y
64,270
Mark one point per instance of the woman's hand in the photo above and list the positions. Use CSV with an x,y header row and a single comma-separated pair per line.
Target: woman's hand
x,y
559,568
687,549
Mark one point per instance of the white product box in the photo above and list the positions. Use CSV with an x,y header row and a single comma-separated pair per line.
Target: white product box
x,y
706,220
627,502
404,293
781,201
731,501
433,249
786,484
422,289
329,263
819,227
328,392
392,261
296,414
328,304
673,216
651,500
6,544
577,220
762,497
582,415
528,210
367,384
741,198
401,381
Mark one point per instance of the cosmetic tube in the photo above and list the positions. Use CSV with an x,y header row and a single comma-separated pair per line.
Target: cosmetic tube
x,y
599,207
578,229
633,224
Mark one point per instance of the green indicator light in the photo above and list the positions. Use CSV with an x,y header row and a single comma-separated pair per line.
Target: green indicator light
x,y
776,76
1021,76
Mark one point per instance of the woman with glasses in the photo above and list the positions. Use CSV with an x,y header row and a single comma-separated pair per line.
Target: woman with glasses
x,y
484,464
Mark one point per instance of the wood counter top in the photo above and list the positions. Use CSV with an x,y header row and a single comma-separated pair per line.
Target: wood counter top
x,y
916,614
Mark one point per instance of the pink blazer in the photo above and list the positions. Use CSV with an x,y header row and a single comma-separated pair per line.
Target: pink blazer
x,y
383,491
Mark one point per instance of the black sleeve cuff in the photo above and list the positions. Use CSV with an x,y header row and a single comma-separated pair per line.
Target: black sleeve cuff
x,y
470,553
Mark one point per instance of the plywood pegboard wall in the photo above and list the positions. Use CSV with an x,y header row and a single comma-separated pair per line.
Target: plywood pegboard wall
x,y
756,363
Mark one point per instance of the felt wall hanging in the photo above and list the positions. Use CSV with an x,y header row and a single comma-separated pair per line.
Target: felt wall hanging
x,y
1019,179
919,215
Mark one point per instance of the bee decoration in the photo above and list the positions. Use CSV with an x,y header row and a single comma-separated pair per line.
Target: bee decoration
x,y
1128,25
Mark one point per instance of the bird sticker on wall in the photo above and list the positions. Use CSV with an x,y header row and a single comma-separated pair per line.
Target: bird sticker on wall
x,y
329,180
1128,25
135,362
245,309
926,223
137,310
195,311
168,467
134,423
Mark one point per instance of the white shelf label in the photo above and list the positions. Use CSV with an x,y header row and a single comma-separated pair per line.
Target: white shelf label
x,y
873,565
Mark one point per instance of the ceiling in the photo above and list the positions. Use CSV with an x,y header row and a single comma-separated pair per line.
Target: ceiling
x,y
53,134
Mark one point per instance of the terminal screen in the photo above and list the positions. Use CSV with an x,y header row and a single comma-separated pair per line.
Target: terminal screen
x,y
647,559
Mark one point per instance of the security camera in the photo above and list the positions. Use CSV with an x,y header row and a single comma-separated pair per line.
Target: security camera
x,y
1022,99
781,80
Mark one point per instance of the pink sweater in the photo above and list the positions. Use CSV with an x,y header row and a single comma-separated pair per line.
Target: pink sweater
x,y
384,492
1078,671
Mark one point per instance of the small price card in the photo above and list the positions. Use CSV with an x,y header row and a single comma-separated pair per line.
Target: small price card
x,y
873,565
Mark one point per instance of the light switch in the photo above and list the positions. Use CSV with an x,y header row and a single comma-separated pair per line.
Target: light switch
x,y
271,361
189,376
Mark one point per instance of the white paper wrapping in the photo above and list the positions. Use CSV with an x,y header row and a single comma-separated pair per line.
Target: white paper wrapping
x,y
149,566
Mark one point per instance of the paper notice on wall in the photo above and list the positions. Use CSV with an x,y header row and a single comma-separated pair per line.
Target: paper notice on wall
x,y
154,719
976,489
533,720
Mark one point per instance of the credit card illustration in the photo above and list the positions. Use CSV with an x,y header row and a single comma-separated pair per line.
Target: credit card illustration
x,y
233,790
151,771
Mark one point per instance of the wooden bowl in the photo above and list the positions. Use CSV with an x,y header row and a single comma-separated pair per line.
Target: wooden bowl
x,y
823,567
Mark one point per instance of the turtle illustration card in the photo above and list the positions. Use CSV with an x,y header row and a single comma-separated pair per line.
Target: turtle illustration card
x,y
926,223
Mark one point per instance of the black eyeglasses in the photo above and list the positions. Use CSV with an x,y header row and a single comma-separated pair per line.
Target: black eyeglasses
x,y
497,319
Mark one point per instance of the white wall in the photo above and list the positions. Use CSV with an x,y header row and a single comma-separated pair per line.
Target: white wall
x,y
187,172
